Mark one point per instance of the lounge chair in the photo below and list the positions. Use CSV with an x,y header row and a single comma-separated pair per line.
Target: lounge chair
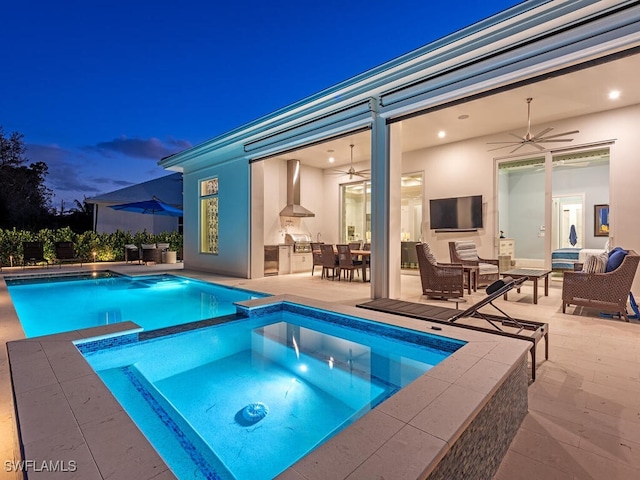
x,y
65,253
452,316
33,253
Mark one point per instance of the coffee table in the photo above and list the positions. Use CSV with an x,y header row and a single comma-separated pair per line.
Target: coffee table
x,y
533,274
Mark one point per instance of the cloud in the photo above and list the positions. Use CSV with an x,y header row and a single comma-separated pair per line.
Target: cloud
x,y
150,148
75,173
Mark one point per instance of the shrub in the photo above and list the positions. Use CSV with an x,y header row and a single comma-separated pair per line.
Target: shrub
x,y
90,246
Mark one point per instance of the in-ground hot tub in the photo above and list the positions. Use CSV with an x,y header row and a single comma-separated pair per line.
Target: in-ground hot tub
x,y
429,429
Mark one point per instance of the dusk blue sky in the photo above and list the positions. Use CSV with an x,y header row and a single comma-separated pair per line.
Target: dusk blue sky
x,y
103,90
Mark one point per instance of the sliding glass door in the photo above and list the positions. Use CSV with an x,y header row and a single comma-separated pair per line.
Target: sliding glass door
x,y
355,225
521,209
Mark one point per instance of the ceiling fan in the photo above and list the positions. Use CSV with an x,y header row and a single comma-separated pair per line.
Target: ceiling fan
x,y
533,140
352,171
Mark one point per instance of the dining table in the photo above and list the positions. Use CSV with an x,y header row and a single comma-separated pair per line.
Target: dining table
x,y
363,254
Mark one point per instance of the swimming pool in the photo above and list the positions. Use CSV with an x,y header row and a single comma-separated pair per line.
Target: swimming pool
x,y
48,304
304,373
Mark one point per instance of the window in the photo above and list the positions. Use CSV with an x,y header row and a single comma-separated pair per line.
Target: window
x,y
356,212
209,216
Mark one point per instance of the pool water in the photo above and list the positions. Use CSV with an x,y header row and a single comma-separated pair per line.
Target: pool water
x,y
310,378
54,304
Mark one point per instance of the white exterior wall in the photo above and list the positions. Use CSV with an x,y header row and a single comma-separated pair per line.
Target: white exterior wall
x,y
233,225
110,220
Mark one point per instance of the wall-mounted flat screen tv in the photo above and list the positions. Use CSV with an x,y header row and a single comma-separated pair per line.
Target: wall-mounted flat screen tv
x,y
459,213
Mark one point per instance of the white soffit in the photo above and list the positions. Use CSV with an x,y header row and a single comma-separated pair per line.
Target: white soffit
x,y
520,25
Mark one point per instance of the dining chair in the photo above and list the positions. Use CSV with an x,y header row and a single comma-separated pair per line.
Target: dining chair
x,y
316,254
345,261
329,261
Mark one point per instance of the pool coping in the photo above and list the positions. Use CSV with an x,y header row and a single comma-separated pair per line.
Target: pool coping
x,y
62,406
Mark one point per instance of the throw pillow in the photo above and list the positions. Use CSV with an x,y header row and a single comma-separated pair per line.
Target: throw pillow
x,y
466,251
431,258
595,263
616,256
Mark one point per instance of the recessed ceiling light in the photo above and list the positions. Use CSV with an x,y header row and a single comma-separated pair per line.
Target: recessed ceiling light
x,y
463,117
331,159
614,94
442,134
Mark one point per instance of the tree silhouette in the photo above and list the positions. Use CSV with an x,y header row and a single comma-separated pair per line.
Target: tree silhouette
x,y
25,200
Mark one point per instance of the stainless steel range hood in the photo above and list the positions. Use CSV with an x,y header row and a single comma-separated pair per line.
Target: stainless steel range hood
x,y
293,207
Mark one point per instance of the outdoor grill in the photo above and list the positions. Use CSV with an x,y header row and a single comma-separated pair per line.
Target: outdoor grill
x,y
301,242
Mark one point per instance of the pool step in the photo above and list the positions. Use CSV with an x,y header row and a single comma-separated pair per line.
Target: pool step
x,y
201,455
155,280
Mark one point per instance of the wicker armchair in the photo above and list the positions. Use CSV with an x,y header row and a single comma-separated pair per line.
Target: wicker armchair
x,y
439,280
606,292
132,253
465,253
151,253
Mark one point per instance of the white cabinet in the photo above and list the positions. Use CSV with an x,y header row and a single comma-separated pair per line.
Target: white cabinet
x,y
507,246
284,259
506,254
301,262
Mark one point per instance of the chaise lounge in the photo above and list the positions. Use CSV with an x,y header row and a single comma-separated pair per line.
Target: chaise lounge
x,y
65,253
33,253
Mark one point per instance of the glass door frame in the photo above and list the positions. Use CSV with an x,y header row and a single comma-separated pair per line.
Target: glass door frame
x,y
548,192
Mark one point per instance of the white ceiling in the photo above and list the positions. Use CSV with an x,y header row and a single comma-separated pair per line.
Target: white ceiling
x,y
574,94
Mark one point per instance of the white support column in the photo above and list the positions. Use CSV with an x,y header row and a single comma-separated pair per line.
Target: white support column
x,y
256,203
395,208
379,208
385,205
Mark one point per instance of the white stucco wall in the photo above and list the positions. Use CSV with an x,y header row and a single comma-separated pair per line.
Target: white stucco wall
x,y
110,220
312,197
234,252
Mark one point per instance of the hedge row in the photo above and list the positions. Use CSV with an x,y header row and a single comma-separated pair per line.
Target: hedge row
x,y
90,246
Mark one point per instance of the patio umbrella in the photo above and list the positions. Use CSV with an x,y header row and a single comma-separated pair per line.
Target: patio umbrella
x,y
153,207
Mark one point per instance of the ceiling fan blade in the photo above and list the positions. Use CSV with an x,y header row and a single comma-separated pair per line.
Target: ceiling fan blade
x,y
517,148
519,137
539,147
510,144
544,139
555,140
542,133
